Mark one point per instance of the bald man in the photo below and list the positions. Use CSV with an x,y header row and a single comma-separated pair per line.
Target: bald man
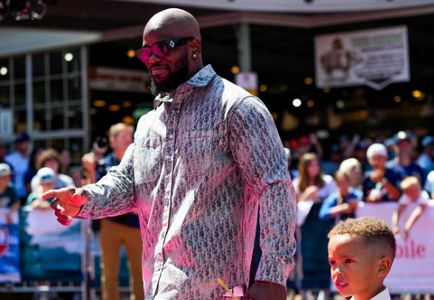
x,y
202,163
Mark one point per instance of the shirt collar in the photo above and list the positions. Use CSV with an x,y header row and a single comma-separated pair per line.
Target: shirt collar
x,y
383,295
201,79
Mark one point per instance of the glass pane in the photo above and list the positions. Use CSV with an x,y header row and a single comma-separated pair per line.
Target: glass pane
x,y
38,62
74,89
57,118
20,94
72,58
40,119
39,92
75,117
19,67
4,71
55,62
4,96
20,120
56,89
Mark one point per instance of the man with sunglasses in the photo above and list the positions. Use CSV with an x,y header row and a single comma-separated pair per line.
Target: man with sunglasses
x,y
202,163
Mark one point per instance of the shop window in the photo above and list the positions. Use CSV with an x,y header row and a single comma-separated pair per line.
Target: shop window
x,y
4,96
19,67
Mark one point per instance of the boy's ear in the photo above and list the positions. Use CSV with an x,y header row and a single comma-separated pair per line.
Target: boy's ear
x,y
384,266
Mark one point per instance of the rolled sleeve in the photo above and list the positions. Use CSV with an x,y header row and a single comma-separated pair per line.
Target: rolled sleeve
x,y
113,194
258,151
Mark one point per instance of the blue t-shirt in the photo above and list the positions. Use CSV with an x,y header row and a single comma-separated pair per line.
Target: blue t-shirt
x,y
391,176
411,170
332,201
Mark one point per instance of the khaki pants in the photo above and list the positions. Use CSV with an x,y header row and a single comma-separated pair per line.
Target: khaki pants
x,y
112,236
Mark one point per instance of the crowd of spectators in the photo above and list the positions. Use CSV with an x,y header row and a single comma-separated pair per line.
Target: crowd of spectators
x,y
330,180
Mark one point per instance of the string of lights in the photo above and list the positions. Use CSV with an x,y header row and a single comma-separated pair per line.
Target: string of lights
x,y
19,10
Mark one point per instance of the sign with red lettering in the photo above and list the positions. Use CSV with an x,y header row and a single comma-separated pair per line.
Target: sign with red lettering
x,y
412,270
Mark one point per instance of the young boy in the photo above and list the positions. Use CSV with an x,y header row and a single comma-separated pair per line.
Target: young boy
x,y
8,196
412,193
343,203
361,253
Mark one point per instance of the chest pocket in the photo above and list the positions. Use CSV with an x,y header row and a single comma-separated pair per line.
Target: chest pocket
x,y
196,151
147,159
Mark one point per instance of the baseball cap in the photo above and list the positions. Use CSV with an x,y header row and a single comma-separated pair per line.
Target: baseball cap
x,y
22,137
428,140
403,136
45,175
5,170
377,149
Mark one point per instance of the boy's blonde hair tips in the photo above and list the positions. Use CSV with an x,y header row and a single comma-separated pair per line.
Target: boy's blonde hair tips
x,y
408,182
370,230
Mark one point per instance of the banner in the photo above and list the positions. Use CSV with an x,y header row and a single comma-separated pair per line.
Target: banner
x,y
413,268
50,251
371,57
9,249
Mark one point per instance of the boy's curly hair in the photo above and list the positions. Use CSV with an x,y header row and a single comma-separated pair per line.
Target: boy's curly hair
x,y
370,229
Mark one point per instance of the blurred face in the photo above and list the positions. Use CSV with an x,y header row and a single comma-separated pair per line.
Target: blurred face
x,y
377,161
4,182
47,186
123,139
353,268
23,147
313,169
413,192
343,185
169,68
404,147
52,164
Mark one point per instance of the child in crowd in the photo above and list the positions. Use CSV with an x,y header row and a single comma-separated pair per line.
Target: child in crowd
x,y
8,196
412,193
342,203
361,253
46,179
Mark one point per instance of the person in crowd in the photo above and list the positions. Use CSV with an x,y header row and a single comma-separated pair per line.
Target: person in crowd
x,y
361,253
46,179
8,196
32,169
292,171
360,153
343,203
202,163
312,188
331,165
123,230
426,158
429,184
381,184
65,161
50,158
305,144
352,168
411,193
403,163
19,160
78,175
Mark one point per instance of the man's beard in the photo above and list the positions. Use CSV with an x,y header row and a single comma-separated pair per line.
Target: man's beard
x,y
175,79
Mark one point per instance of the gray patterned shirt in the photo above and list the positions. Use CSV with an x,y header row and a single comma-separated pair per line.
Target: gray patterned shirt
x,y
200,166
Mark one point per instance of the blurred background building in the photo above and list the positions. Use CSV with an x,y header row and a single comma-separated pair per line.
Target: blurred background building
x,y
68,71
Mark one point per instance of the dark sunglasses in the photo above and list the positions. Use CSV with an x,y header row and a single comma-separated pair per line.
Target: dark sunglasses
x,y
160,49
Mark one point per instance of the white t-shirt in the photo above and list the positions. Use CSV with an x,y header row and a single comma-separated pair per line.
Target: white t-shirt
x,y
422,200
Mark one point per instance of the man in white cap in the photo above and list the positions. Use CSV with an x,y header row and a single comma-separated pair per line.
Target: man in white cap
x,y
380,184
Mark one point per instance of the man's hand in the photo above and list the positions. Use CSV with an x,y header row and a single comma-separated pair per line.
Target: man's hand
x,y
67,203
264,290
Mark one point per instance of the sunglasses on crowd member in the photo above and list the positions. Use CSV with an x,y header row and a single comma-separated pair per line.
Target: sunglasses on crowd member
x,y
160,49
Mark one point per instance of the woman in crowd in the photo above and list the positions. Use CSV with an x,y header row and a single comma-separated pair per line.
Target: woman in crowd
x,y
312,187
